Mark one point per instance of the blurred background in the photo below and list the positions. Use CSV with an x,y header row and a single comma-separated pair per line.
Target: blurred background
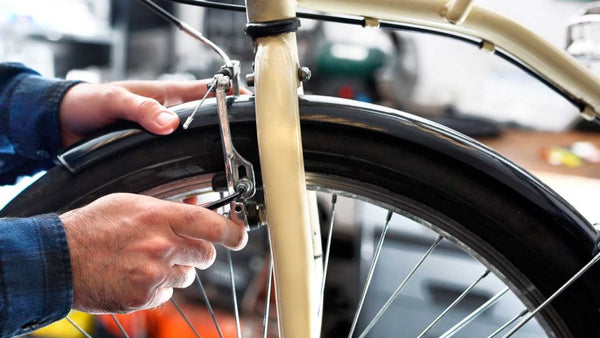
x,y
103,40
448,81
445,80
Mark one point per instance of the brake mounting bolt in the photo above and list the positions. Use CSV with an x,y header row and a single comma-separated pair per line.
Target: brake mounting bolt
x,y
304,74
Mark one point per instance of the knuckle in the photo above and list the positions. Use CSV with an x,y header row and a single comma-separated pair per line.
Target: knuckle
x,y
242,238
113,93
140,299
160,247
147,105
148,277
208,257
217,231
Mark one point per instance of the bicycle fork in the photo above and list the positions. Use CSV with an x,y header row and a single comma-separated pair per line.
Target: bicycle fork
x,y
272,25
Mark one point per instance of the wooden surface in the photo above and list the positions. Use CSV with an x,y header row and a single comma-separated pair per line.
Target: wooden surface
x,y
525,148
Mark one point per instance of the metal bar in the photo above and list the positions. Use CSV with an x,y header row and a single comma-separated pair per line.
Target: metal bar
x,y
119,325
190,118
473,315
268,298
233,293
390,300
208,306
365,289
507,324
282,167
554,295
456,301
189,323
78,328
327,251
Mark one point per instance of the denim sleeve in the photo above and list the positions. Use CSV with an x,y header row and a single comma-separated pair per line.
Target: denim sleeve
x,y
29,126
36,285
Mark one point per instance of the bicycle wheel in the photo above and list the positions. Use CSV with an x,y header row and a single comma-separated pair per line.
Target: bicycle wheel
x,y
478,202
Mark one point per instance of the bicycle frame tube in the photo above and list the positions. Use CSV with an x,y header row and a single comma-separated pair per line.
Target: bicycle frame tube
x,y
282,167
462,17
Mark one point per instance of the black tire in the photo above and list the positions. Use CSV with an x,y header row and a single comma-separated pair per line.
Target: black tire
x,y
535,248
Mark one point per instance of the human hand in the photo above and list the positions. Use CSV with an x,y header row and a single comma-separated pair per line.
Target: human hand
x,y
129,251
89,107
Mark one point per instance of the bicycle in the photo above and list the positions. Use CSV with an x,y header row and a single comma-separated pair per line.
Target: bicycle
x,y
522,232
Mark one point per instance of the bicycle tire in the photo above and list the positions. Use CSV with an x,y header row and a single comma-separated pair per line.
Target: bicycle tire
x,y
515,223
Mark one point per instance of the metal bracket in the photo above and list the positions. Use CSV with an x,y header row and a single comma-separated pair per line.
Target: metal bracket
x,y
238,171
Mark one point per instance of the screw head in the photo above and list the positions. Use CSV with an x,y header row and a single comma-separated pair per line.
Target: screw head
x,y
304,74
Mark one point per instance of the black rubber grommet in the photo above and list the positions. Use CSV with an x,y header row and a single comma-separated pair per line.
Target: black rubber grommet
x,y
267,28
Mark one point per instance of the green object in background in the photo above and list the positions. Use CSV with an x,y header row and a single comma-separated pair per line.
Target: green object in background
x,y
353,60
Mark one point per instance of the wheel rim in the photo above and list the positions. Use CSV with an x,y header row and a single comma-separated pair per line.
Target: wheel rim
x,y
408,210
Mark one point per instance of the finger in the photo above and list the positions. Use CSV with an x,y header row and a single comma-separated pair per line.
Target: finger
x,y
191,200
198,253
168,93
180,276
161,295
200,223
147,112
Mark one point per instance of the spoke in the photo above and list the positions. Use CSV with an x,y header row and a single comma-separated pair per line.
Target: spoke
x,y
473,315
507,324
400,287
208,306
268,298
456,301
235,303
370,274
189,323
119,325
327,250
78,328
556,294
189,120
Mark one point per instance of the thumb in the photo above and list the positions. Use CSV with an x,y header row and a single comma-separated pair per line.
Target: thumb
x,y
147,112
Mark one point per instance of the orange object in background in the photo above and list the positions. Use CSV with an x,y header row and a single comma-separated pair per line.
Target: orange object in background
x,y
166,322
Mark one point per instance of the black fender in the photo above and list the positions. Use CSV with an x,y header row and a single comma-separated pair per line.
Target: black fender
x,y
570,232
319,109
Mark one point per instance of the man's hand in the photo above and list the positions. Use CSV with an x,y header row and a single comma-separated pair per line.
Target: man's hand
x,y
129,251
89,107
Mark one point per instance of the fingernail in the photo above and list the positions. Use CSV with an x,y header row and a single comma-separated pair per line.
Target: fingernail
x,y
165,118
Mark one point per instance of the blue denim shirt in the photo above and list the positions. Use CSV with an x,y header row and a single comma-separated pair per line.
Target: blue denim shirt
x,y
36,285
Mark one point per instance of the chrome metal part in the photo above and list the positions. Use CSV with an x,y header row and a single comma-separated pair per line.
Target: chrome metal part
x,y
78,328
370,274
327,251
208,305
453,330
190,118
234,295
304,74
233,67
250,80
554,295
393,297
239,171
456,301
187,320
507,324
121,328
268,299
